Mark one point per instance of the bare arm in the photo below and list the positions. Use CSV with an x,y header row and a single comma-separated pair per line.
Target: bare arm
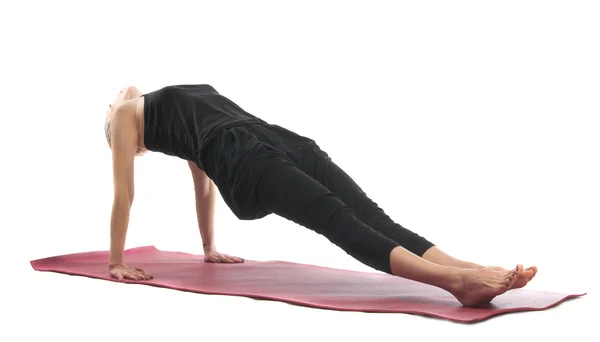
x,y
205,191
205,205
124,138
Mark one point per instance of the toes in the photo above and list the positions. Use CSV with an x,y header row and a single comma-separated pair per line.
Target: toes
x,y
510,279
533,271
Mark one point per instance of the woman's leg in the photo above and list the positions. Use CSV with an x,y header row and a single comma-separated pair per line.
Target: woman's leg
x,y
287,191
317,164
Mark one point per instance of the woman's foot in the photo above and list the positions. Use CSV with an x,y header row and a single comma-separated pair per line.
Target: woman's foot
x,y
524,276
472,287
475,287
436,255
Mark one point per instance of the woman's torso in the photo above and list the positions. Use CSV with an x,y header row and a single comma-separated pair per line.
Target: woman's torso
x,y
180,120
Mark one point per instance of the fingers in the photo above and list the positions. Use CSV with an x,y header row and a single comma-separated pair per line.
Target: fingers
x,y
210,257
230,259
143,274
235,259
226,259
222,258
133,274
137,276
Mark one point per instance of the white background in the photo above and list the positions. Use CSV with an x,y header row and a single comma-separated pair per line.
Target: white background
x,y
474,123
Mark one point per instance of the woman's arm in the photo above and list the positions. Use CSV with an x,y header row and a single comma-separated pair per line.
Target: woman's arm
x,y
124,142
205,191
205,205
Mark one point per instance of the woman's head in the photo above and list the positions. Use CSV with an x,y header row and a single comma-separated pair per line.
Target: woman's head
x,y
125,94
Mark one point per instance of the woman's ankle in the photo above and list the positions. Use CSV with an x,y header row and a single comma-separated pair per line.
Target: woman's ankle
x,y
407,265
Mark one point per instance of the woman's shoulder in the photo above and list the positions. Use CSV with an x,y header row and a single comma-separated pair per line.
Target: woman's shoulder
x,y
128,105
129,109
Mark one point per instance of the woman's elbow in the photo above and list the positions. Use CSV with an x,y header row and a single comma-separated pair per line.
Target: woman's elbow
x,y
123,199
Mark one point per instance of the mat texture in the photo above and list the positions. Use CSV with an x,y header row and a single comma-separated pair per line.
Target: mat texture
x,y
306,285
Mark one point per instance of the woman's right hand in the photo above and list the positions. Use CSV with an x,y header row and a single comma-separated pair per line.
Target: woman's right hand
x,y
122,271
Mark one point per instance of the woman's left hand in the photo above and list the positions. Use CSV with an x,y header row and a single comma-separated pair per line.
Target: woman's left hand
x,y
217,257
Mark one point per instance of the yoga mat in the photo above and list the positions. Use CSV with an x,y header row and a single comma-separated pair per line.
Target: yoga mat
x,y
311,286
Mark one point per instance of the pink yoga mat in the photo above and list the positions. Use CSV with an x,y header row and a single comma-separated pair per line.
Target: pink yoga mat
x,y
306,285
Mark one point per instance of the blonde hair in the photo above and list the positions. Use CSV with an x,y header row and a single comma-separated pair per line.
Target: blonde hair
x,y
138,152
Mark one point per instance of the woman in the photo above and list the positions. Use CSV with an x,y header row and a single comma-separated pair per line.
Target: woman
x,y
259,169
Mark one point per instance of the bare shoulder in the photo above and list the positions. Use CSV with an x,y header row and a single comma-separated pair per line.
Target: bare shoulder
x,y
124,120
127,111
128,107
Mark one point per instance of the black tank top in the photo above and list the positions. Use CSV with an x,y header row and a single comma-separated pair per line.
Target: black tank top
x,y
181,120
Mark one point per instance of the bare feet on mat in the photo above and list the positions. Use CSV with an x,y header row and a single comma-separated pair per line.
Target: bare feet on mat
x,y
524,276
436,255
474,287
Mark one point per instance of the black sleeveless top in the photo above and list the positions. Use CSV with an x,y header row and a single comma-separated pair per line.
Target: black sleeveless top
x,y
181,120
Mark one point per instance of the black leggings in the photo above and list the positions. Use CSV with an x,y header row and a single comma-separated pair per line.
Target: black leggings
x,y
305,186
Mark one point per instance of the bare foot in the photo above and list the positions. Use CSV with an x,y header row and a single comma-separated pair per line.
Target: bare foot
x,y
524,276
474,287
